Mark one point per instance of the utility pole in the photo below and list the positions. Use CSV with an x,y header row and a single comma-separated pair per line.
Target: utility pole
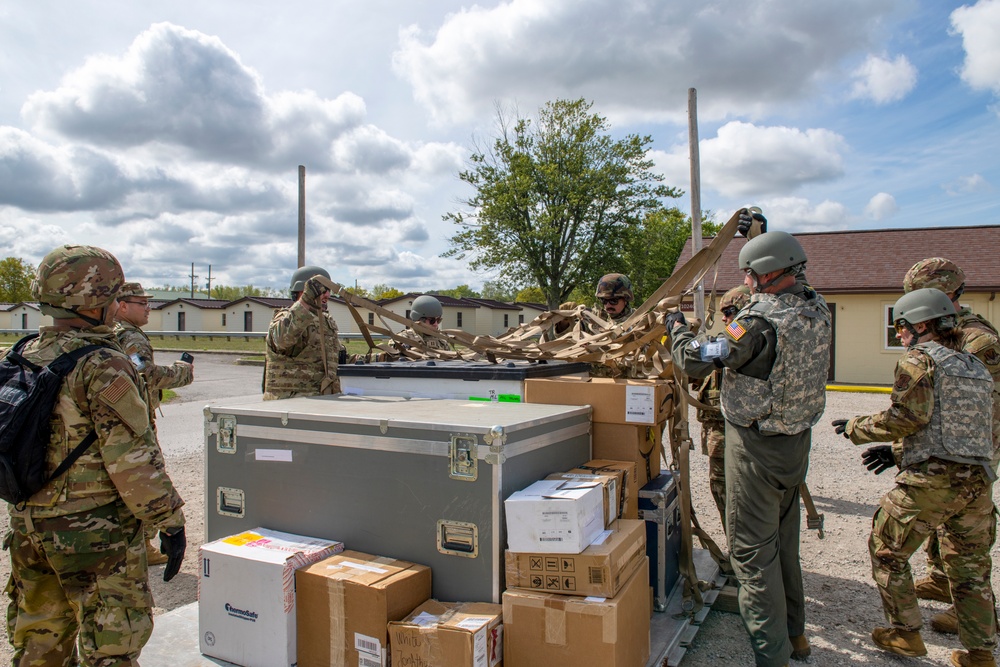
x,y
302,215
209,281
699,292
193,276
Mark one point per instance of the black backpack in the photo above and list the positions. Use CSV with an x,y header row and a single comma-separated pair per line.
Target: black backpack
x,y
28,393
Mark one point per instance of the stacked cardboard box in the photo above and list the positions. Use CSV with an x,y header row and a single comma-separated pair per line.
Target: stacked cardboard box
x,y
628,415
449,634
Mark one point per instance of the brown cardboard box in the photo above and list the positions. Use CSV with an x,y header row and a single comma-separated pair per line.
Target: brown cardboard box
x,y
611,481
602,569
547,629
629,484
344,603
613,401
449,634
630,442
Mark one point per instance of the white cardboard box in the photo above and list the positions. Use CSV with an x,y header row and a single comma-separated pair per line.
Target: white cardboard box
x,y
555,516
246,595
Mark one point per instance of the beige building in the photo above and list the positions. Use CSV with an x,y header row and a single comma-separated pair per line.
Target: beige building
x,y
23,316
860,274
191,315
457,313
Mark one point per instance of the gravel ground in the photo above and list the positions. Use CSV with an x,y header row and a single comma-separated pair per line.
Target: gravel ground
x,y
843,605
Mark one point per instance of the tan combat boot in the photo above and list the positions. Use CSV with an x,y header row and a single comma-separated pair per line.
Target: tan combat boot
x,y
973,658
933,588
946,622
900,642
800,647
153,555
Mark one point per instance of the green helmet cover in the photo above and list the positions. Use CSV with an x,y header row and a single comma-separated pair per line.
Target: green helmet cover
x,y
76,277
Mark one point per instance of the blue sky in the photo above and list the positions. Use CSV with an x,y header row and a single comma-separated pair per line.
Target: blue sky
x,y
170,133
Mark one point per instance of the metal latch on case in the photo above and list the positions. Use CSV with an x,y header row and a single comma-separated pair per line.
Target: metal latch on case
x,y
458,538
463,465
231,502
226,440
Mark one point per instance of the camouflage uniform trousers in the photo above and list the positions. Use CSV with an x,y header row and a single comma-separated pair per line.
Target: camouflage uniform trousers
x,y
713,443
908,515
78,576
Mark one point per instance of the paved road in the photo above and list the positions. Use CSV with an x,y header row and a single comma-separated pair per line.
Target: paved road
x,y
217,379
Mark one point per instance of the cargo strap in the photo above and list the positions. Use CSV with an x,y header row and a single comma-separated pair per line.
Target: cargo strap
x,y
814,520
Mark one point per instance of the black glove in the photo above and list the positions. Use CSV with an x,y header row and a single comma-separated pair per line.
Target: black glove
x,y
673,319
342,356
840,427
746,221
173,546
879,459
187,358
312,291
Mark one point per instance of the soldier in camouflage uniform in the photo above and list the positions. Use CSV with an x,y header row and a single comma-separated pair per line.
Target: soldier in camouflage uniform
x,y
980,338
78,589
713,426
941,407
614,292
776,357
133,313
302,348
427,310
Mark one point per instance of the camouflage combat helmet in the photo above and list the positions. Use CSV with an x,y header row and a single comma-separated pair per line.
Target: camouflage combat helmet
x,y
922,305
76,277
614,285
425,306
304,273
737,297
936,272
772,251
133,291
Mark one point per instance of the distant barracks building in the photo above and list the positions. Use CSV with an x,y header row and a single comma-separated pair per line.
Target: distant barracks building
x,y
860,274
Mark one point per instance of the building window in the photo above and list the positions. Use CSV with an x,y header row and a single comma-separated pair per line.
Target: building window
x,y
520,318
223,319
408,313
506,320
181,321
890,342
371,319
460,320
24,320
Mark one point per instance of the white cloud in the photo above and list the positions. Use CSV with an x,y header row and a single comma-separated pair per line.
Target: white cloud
x,y
635,59
968,185
883,80
744,160
796,214
979,26
881,206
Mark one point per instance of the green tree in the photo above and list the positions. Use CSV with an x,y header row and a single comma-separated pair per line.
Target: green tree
x,y
498,290
554,199
459,292
15,280
383,291
359,291
234,292
531,295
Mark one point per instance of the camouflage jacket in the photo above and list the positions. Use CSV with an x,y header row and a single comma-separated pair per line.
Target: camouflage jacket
x,y
135,343
301,355
708,393
101,394
429,341
916,405
980,338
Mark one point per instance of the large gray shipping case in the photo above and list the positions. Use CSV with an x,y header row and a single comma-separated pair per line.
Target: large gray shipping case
x,y
421,480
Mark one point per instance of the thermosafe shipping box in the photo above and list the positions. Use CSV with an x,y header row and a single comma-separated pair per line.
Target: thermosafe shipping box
x,y
601,569
416,479
442,634
246,595
547,629
555,515
344,603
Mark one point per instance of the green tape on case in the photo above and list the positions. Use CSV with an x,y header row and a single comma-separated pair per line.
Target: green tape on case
x,y
509,398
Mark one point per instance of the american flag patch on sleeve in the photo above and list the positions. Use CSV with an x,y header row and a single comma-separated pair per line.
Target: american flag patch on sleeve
x,y
114,391
735,330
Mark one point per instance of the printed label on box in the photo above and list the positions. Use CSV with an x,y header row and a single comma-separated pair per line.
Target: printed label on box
x,y
640,404
366,644
479,649
497,655
473,622
425,620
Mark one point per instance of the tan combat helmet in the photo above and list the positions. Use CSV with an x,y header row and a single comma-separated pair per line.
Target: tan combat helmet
x,y
738,298
133,291
615,285
76,277
936,272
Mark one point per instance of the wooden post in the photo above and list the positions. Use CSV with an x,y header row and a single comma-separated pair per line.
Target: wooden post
x,y
699,292
302,215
